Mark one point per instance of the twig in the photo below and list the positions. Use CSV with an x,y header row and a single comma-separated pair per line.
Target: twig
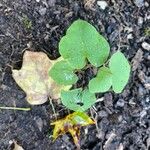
x,y
16,108
53,108
95,118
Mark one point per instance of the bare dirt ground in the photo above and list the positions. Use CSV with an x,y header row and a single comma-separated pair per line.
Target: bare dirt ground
x,y
123,120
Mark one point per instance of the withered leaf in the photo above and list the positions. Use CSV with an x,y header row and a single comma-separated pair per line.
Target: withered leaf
x,y
33,78
72,124
17,147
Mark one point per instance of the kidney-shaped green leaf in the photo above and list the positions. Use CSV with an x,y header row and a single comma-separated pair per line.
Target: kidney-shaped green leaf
x,y
77,99
102,82
81,42
120,70
62,73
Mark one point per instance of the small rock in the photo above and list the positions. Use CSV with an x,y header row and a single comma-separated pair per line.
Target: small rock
x,y
39,123
120,103
146,4
47,26
130,36
120,147
140,21
120,118
102,114
146,46
147,99
139,3
132,102
51,2
147,86
29,44
108,102
100,134
143,113
102,4
141,91
42,11
4,87
148,142
37,1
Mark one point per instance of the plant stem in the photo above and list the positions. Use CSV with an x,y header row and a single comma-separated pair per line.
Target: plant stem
x,y
53,108
16,108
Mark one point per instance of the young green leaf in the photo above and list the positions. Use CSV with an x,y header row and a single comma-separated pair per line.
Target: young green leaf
x,y
116,75
102,82
62,73
120,69
77,99
81,42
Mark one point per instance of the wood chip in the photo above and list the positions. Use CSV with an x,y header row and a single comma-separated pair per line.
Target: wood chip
x,y
137,59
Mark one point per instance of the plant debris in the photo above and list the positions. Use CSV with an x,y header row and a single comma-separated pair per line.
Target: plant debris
x,y
34,80
72,124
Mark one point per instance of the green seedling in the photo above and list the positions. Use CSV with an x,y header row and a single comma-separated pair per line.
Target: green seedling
x,y
27,22
147,31
82,44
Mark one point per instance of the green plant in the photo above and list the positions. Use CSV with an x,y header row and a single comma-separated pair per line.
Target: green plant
x,y
27,22
82,44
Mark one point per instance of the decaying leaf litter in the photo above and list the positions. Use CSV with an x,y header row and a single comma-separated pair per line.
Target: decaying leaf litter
x,y
139,101
34,80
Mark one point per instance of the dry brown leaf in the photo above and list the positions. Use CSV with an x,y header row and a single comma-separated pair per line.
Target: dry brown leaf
x,y
17,147
33,78
88,4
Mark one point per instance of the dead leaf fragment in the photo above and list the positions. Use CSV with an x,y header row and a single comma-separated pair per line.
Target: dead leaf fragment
x,y
88,4
17,147
72,124
33,78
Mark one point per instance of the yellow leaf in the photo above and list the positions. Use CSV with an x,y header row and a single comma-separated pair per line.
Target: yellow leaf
x,y
72,124
33,78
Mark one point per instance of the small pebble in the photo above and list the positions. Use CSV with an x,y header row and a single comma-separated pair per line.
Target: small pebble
x,y
146,4
141,90
132,102
102,114
37,1
143,113
39,123
140,21
42,11
120,103
51,2
139,3
47,26
120,118
147,99
29,44
146,46
130,36
102,4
